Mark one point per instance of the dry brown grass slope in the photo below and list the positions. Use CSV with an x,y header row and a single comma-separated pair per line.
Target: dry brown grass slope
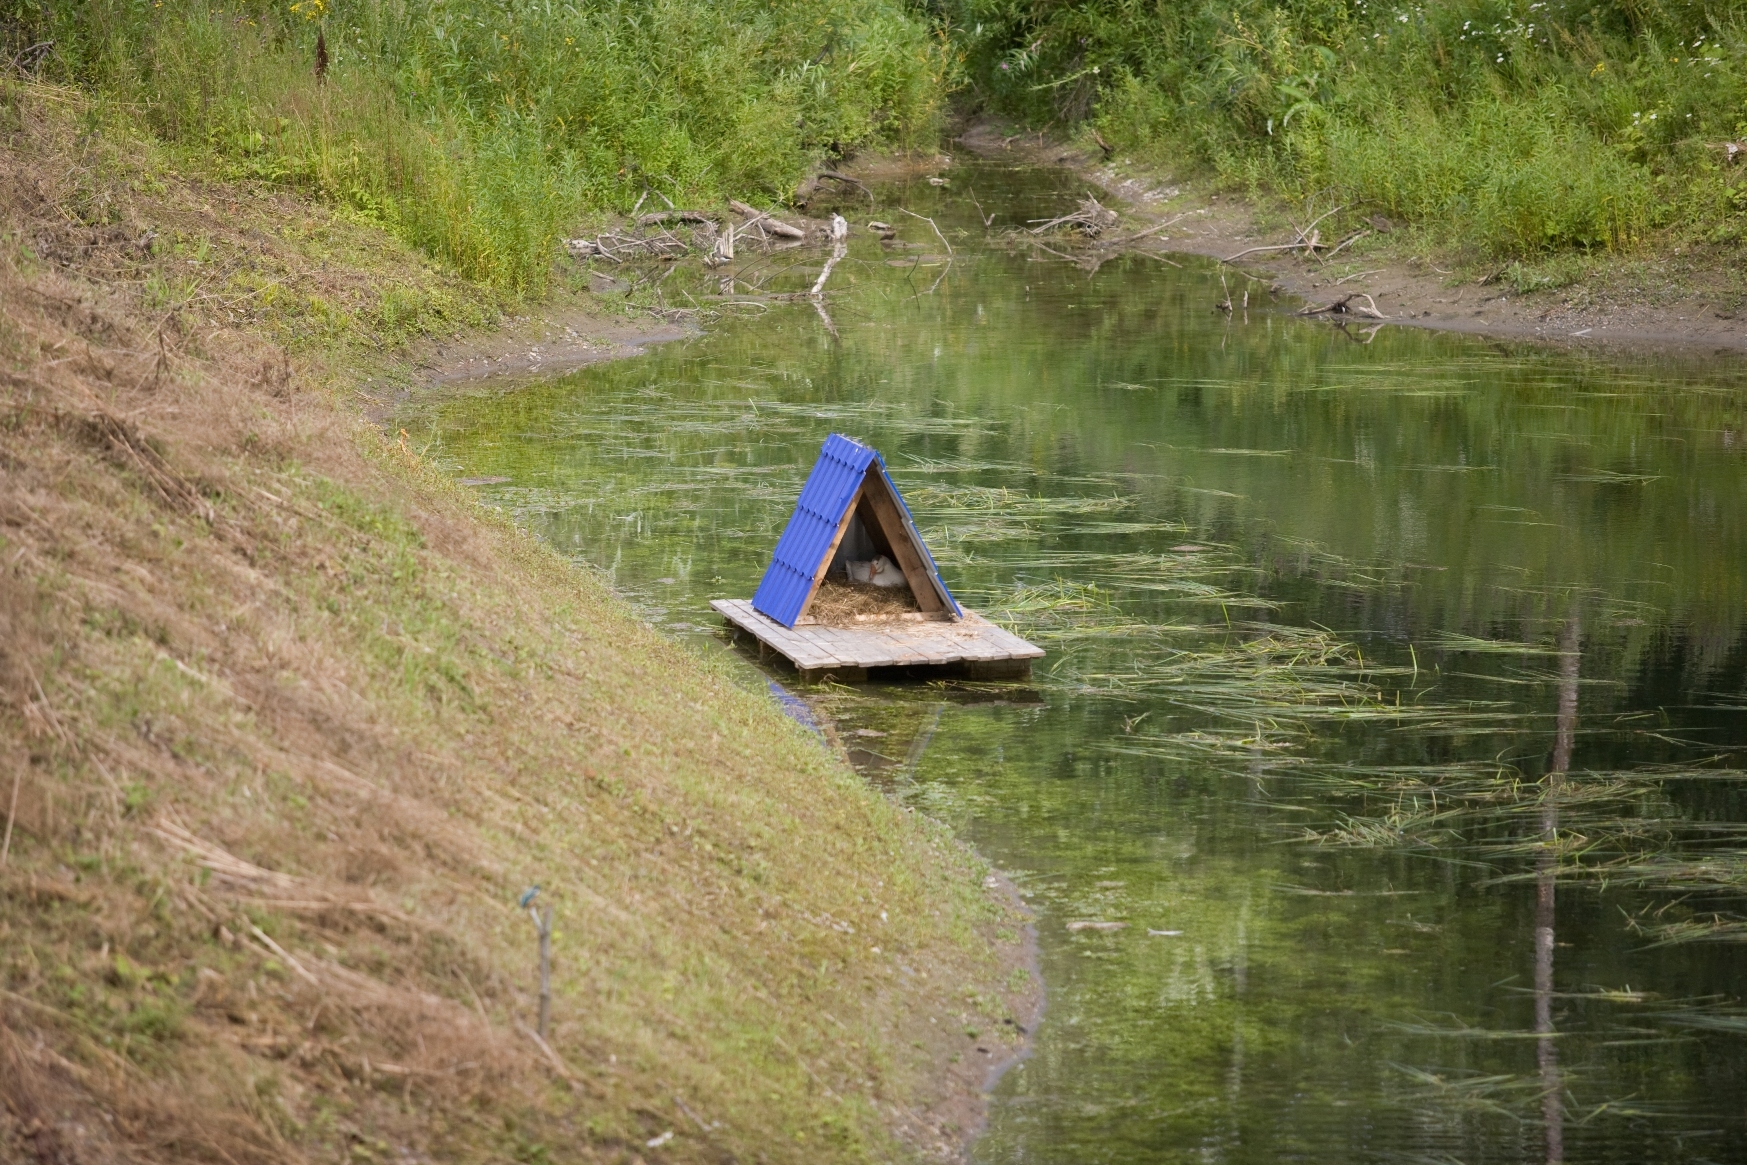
x,y
287,722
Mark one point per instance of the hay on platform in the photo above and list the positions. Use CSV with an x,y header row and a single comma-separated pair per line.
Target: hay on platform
x,y
838,601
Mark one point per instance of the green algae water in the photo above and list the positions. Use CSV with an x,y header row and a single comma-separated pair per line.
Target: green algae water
x,y
1381,797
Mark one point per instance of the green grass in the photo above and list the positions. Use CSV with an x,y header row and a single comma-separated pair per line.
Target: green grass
x,y
298,643
482,133
1514,128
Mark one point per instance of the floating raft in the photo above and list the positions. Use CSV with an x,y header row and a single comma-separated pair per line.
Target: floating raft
x,y
970,646
848,513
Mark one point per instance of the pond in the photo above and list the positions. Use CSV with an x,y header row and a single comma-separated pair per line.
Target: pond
x,y
1395,702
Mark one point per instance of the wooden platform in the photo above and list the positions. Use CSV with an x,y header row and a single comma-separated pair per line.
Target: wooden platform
x,y
971,646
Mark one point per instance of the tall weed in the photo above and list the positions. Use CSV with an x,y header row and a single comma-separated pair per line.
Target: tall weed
x,y
1517,126
480,131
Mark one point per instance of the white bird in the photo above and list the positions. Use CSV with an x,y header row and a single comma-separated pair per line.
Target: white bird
x,y
881,572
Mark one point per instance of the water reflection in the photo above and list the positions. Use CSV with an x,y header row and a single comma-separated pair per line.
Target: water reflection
x,y
1546,886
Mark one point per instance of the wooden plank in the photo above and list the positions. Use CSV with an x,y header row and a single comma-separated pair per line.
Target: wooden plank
x,y
796,648
975,642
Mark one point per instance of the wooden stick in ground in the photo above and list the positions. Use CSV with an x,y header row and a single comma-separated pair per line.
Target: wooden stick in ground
x,y
931,223
11,813
545,925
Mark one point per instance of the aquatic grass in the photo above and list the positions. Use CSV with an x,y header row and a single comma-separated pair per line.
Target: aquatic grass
x,y
1508,1094
943,499
1621,829
1456,641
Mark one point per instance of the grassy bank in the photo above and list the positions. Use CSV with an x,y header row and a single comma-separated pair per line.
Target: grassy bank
x,y
480,132
289,723
1518,129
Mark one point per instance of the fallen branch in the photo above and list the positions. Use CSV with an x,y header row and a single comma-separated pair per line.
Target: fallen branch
x,y
1041,245
1308,238
1092,217
1152,230
1345,306
552,1058
1345,243
839,229
1306,231
693,216
302,971
847,181
1258,250
931,223
763,217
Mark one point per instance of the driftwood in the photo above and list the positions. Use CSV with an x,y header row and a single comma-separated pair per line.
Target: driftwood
x,y
1092,218
1152,230
618,247
691,216
762,218
1307,238
1344,244
839,248
1345,306
714,236
933,224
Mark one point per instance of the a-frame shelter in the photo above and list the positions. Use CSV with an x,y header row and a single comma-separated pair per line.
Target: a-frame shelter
x,y
848,508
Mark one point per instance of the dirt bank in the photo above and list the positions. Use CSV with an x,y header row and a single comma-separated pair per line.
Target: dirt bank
x,y
289,726
1690,298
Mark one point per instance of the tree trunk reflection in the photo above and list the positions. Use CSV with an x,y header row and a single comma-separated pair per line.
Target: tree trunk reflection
x,y
1547,1053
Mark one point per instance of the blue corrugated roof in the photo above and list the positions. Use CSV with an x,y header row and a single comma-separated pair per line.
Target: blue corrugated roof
x,y
808,538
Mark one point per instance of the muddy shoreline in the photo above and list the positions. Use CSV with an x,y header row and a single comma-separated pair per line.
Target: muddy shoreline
x,y
1689,300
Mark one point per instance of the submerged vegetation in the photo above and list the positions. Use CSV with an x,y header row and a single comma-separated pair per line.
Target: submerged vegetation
x,y
481,132
1516,127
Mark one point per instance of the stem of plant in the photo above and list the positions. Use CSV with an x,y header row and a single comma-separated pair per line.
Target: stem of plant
x,y
545,971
